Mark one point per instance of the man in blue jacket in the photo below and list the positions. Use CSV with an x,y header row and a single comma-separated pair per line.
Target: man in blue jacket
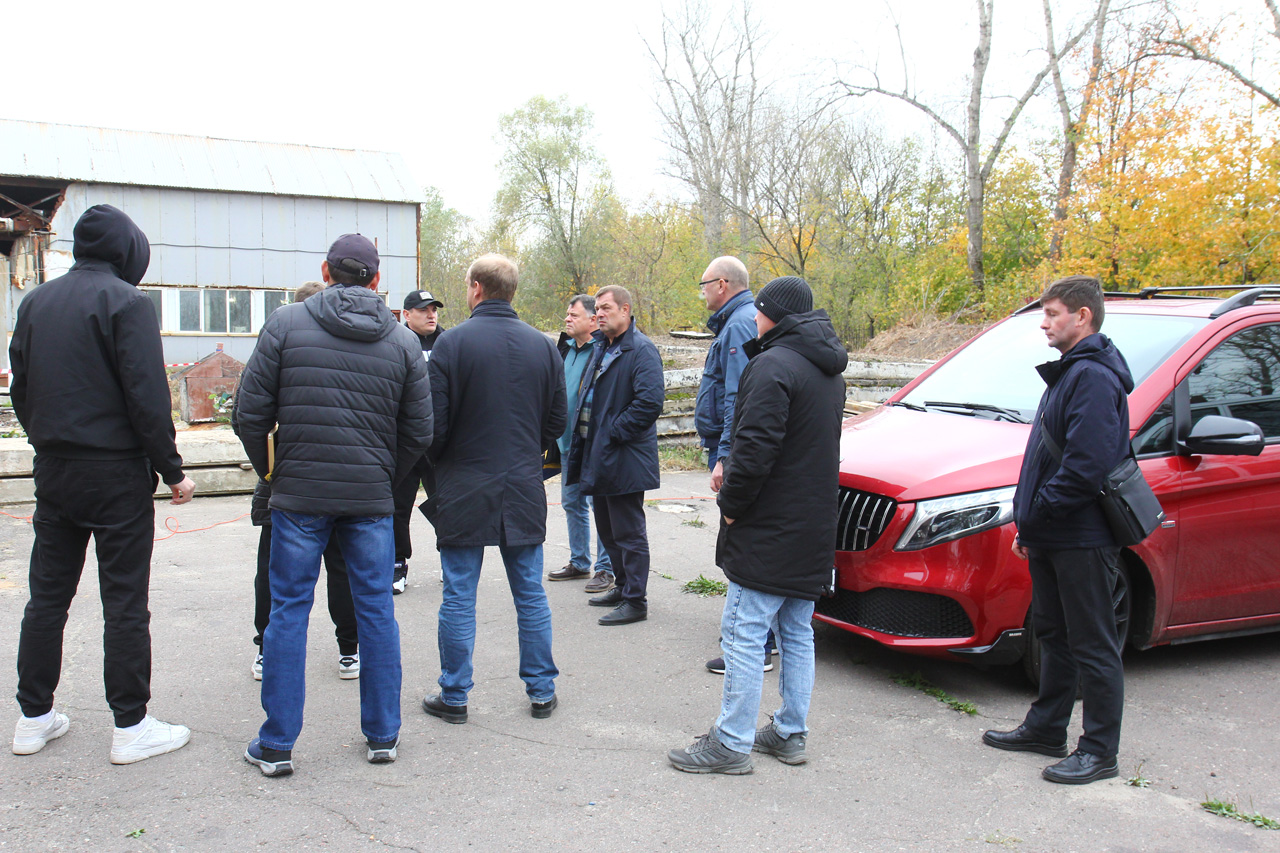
x,y
613,455
1074,559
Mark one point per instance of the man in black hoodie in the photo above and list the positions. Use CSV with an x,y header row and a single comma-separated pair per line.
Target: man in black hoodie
x,y
1074,559
89,388
347,388
778,531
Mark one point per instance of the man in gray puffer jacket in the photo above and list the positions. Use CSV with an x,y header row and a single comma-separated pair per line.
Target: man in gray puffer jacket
x,y
348,389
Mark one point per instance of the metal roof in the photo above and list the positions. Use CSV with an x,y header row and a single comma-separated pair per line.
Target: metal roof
x,y
138,158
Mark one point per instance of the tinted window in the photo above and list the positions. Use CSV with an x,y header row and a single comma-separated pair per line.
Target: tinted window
x,y
1156,435
1239,379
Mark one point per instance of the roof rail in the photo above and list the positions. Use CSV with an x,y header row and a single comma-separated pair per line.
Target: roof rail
x,y
1245,298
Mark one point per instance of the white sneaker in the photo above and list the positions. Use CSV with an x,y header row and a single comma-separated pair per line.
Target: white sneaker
x,y
32,733
349,666
257,667
151,739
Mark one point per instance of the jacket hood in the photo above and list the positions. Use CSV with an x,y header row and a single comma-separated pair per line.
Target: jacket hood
x,y
1097,348
352,312
811,335
106,233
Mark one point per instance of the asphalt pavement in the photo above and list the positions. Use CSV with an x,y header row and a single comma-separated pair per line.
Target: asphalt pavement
x,y
891,768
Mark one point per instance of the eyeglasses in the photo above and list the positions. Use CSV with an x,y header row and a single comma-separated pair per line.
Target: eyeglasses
x,y
703,284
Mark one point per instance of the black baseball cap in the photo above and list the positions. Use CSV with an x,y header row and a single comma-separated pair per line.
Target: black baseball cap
x,y
355,254
421,299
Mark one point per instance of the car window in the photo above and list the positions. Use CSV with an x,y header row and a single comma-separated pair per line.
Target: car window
x,y
1156,435
998,369
1239,379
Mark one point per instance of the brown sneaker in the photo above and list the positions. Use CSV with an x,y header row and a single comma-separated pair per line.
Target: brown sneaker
x,y
569,573
602,582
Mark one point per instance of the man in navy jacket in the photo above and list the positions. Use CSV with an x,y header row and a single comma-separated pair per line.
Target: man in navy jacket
x,y
1074,558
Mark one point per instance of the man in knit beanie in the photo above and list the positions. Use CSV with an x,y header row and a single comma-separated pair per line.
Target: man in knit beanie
x,y
778,530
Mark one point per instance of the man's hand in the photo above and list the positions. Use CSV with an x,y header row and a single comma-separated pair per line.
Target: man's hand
x,y
717,477
728,520
1018,550
183,491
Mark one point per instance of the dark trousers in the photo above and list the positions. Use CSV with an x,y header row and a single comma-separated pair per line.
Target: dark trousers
x,y
113,502
341,608
406,491
1073,614
621,526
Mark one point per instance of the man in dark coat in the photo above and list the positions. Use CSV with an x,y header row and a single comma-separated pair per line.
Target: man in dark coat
x,y
89,388
498,388
1074,559
422,316
347,388
613,455
778,532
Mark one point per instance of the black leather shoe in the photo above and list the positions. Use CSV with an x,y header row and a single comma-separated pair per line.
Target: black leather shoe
x,y
1081,768
624,614
612,598
1023,739
542,710
436,707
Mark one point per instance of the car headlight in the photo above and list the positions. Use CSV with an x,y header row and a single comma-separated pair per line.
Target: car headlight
x,y
947,519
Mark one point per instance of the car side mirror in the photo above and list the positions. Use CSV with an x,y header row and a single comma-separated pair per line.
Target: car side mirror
x,y
1214,435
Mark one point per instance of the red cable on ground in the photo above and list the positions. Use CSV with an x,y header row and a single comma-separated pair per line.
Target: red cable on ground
x,y
174,531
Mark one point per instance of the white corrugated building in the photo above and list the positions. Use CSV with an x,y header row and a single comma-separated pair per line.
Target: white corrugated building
x,y
235,226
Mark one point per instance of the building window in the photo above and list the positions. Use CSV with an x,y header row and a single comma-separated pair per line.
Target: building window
x,y
271,300
157,301
189,311
215,311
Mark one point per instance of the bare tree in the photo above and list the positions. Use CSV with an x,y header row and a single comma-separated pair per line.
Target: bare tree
x,y
708,97
1173,37
969,136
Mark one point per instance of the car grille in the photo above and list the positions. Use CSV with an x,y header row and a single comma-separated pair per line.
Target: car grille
x,y
900,612
863,517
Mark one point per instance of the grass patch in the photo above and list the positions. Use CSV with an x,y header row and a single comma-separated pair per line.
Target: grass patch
x,y
705,586
1137,780
681,458
694,522
919,682
1224,809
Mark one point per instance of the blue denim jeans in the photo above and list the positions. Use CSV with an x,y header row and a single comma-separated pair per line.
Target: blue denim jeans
x,y
367,544
748,614
456,629
577,512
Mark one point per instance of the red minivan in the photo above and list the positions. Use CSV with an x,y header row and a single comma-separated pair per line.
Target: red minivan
x,y
923,555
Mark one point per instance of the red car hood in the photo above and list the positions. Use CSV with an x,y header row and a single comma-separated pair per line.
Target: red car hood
x,y
910,456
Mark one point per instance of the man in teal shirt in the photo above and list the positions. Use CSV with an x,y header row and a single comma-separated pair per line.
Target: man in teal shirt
x,y
575,348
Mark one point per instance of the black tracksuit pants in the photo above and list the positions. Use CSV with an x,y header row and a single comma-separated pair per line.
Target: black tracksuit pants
x,y
405,493
112,501
1074,616
621,525
341,608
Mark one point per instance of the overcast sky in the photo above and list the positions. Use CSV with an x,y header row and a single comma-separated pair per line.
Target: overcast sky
x,y
429,80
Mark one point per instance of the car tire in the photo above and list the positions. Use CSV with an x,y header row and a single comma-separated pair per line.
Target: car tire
x,y
1121,602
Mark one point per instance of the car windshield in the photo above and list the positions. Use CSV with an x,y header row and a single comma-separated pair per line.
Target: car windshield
x,y
995,377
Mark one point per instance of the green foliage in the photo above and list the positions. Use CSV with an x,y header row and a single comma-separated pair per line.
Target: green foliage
x,y
705,587
447,244
1225,809
919,682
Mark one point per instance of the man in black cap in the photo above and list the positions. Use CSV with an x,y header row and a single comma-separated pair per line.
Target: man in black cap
x,y
422,316
778,531
89,388
346,388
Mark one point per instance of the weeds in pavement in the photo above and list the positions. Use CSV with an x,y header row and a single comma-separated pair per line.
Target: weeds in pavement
x,y
705,586
1137,780
694,522
919,682
681,459
1224,809
137,833
1002,840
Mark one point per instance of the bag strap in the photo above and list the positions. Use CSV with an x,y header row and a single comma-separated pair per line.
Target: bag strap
x,y
1047,440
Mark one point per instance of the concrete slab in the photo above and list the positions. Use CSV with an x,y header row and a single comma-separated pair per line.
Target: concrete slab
x,y
892,769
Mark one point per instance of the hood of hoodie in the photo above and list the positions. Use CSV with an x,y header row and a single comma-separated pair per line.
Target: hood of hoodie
x,y
1097,348
811,335
106,233
352,312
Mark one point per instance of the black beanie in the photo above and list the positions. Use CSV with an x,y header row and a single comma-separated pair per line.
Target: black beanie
x,y
782,296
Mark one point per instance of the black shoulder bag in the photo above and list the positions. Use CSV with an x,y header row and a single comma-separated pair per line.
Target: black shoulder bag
x,y
1133,512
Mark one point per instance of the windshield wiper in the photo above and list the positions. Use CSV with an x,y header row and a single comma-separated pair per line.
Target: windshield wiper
x,y
972,408
912,406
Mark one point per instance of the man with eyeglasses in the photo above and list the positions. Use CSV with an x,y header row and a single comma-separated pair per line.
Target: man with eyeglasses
x,y
724,286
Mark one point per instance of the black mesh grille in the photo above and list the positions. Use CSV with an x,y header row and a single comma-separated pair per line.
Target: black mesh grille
x,y
900,612
863,517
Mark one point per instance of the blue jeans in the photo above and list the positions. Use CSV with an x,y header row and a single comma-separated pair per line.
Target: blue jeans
x,y
367,544
577,512
457,624
748,614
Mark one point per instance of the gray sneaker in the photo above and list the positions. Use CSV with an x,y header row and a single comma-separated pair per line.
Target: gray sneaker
x,y
708,755
788,750
602,582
